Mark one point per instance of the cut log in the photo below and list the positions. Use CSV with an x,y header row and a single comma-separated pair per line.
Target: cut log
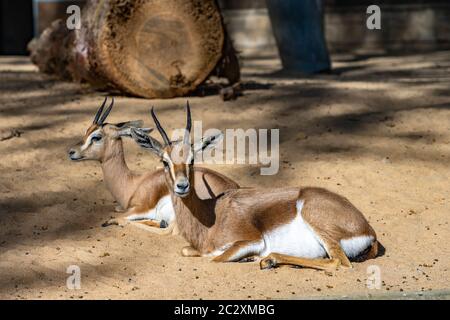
x,y
52,52
146,48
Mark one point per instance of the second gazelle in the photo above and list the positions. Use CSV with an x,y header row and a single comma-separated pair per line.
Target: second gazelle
x,y
293,226
144,199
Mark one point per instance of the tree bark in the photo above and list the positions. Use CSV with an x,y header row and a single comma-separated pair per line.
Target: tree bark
x,y
146,48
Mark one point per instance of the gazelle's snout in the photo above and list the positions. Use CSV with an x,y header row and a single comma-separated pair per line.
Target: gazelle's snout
x,y
182,187
74,154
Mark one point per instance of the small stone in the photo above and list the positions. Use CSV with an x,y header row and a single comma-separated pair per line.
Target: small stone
x,y
301,136
386,160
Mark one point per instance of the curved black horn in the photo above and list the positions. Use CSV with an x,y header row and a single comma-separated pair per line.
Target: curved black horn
x,y
106,114
99,111
160,128
188,123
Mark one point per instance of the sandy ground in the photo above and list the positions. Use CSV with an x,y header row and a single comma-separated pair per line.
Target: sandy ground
x,y
377,131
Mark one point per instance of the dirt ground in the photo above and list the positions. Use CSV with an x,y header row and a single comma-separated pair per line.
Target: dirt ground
x,y
377,131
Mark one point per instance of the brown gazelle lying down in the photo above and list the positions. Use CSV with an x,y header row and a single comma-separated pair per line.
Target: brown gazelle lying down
x,y
284,226
144,199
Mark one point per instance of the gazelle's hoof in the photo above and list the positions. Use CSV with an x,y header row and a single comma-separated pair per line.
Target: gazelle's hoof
x,y
110,223
268,263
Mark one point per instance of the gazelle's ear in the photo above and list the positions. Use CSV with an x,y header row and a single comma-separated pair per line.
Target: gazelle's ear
x,y
128,124
207,142
124,128
145,141
126,132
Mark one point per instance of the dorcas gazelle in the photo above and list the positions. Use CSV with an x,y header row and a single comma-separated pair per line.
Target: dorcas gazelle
x,y
144,199
301,226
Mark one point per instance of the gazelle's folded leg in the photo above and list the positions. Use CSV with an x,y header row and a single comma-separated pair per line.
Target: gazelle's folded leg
x,y
152,226
122,220
150,223
276,259
241,250
332,247
137,215
335,251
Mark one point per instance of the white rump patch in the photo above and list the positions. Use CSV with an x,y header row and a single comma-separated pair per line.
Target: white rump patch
x,y
162,211
295,239
353,247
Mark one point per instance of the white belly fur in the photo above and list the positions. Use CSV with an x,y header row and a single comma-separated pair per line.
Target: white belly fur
x,y
162,211
299,240
294,239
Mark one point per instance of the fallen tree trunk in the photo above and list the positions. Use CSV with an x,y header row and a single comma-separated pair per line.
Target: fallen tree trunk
x,y
147,48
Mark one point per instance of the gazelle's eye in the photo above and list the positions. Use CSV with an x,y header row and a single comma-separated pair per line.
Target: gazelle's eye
x,y
165,163
96,138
